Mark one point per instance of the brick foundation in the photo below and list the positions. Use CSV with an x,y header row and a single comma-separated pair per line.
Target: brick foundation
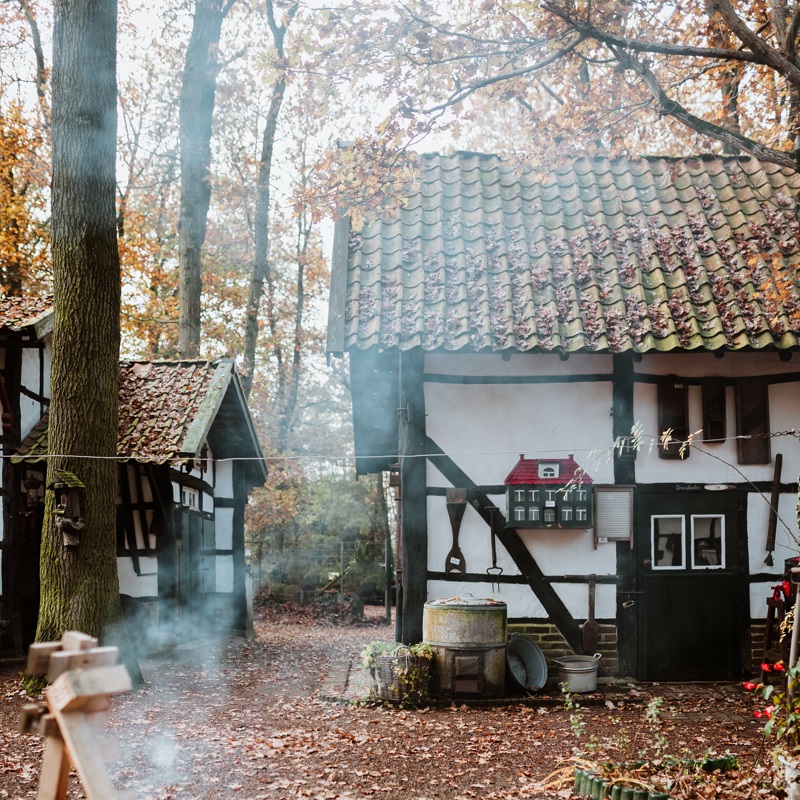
x,y
553,645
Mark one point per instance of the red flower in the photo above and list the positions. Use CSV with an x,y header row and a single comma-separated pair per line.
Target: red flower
x,y
779,667
766,667
750,686
767,712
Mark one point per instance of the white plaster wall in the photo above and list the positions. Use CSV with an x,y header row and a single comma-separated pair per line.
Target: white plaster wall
x,y
130,583
30,412
517,364
558,552
708,365
224,573
786,537
716,463
224,484
522,603
486,428
223,528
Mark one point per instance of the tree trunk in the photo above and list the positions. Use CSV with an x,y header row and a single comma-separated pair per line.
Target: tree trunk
x,y
79,584
260,272
198,91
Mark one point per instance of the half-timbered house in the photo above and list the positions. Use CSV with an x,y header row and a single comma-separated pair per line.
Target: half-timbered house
x,y
188,458
638,316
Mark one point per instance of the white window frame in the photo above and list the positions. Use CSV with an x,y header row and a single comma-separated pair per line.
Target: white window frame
x,y
190,498
722,554
654,548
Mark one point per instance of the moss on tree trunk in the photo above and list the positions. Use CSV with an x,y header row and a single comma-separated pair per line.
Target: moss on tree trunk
x,y
80,586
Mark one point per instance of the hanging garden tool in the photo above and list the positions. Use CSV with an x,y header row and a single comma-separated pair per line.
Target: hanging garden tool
x,y
494,572
772,525
456,505
590,628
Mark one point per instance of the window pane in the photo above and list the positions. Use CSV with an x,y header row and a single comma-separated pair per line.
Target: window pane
x,y
519,513
708,541
533,513
667,542
534,495
566,514
549,515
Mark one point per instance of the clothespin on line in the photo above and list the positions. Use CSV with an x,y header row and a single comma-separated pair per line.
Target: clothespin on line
x,y
83,677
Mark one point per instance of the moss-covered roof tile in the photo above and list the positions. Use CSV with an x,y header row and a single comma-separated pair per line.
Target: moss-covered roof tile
x,y
596,254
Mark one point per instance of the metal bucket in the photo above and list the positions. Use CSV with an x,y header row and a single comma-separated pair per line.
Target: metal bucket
x,y
579,673
468,638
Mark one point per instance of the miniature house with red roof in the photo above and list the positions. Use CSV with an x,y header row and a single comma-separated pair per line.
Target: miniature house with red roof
x,y
549,493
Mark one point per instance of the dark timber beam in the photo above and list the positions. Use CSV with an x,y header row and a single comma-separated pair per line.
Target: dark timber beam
x,y
414,513
556,611
625,473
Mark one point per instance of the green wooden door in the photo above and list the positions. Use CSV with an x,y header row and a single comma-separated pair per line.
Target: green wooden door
x,y
692,582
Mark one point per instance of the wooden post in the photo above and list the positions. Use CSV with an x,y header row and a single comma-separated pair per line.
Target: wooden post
x,y
625,473
83,677
414,511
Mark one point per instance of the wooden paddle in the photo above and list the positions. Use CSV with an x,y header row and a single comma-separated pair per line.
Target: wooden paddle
x,y
456,506
590,627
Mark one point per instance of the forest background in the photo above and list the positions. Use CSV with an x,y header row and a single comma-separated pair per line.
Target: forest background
x,y
230,165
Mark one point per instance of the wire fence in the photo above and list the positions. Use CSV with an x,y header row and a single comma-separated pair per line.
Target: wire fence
x,y
303,572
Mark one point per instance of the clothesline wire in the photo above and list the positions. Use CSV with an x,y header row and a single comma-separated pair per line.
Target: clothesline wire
x,y
622,441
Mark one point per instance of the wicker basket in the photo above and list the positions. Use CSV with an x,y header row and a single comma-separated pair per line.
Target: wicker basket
x,y
403,677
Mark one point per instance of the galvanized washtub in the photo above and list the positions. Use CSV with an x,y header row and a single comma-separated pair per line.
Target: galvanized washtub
x,y
468,638
579,673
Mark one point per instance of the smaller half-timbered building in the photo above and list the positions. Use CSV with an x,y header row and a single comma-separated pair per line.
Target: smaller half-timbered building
x,y
189,456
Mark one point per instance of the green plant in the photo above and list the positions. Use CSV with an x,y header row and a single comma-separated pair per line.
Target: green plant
x,y
398,672
782,714
573,707
653,715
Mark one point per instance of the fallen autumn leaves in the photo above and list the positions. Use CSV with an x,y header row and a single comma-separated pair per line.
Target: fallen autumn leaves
x,y
235,718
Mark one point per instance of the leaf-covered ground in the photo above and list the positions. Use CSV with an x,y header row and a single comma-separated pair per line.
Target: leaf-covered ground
x,y
235,718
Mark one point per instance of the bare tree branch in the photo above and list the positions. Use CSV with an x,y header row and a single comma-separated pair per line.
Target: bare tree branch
x,y
590,31
674,109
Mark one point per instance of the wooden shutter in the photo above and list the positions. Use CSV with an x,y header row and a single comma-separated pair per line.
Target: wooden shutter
x,y
613,514
714,419
752,419
673,415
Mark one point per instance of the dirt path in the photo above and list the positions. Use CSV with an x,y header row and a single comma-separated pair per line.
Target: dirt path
x,y
235,718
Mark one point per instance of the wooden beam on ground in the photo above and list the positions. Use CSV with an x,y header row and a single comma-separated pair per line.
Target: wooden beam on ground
x,y
76,689
55,770
83,676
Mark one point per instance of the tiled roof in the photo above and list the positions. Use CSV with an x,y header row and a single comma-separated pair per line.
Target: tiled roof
x,y
595,255
158,404
17,313
526,472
